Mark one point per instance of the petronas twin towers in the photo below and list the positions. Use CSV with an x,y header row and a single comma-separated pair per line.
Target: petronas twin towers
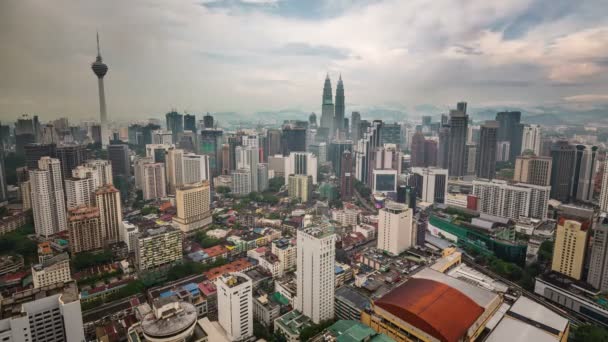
x,y
332,115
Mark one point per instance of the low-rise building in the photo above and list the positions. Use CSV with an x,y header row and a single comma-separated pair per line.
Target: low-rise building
x,y
10,264
51,271
265,310
291,325
158,246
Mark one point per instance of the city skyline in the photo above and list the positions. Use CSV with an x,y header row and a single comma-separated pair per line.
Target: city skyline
x,y
197,57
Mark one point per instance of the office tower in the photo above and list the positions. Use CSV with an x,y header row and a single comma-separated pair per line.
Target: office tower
x,y
443,148
470,157
53,270
598,261
533,170
355,122
208,121
346,176
48,202
320,151
158,246
473,134
235,305
226,167
84,228
47,314
562,168
153,182
241,181
95,134
363,151
247,157
302,163
211,145
338,127
486,151
390,134
406,194
293,139
327,109
70,156
26,132
158,151
262,177
315,273
430,183
138,170
33,153
585,160
174,169
80,192
531,139
193,207
190,123
100,69
396,231
274,142
162,137
3,189
312,120
604,191
187,141
299,187
335,153
175,123
461,107
417,151
512,201
503,151
107,198
195,168
118,155
511,130
457,141
570,246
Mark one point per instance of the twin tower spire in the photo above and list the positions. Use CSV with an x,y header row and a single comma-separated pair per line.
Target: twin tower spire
x,y
332,113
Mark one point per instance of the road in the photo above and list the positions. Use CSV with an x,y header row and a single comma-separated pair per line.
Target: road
x,y
364,202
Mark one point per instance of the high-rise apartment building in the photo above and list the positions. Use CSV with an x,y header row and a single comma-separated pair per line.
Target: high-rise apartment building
x,y
598,261
195,168
47,314
48,201
193,207
486,151
562,169
85,230
118,155
138,170
512,201
300,187
533,170
315,272
570,247
247,157
153,182
241,181
531,139
235,305
158,246
457,142
108,202
79,192
347,177
99,170
302,163
604,191
431,183
585,163
396,231
174,169
262,177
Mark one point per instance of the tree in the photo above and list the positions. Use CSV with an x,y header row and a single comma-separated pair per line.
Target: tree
x,y
311,331
222,190
85,260
149,210
205,241
589,332
545,251
275,184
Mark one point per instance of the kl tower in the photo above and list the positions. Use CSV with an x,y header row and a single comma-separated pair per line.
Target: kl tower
x,y
100,69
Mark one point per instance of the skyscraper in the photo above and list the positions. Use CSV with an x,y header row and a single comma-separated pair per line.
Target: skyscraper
x,y
396,232
80,192
339,110
562,154
211,145
48,201
84,228
153,181
235,305
33,153
417,150
118,155
315,272
443,148
110,213
531,139
347,176
598,262
604,190
302,163
457,141
585,162
511,130
247,157
190,122
430,183
273,139
335,153
208,121
193,207
175,124
570,246
486,151
174,169
327,109
533,170
101,69
355,123
312,120
293,138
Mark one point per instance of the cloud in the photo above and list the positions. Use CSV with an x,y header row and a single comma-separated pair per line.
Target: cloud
x,y
589,98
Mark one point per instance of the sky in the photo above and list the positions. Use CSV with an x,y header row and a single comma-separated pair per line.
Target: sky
x,y
252,56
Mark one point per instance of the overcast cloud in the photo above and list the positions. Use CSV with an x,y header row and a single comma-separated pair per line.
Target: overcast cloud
x,y
264,55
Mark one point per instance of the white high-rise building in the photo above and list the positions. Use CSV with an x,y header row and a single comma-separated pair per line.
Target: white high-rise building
x,y
251,140
396,232
196,168
154,185
193,207
80,192
302,163
101,171
48,202
157,151
512,201
315,272
604,193
531,139
174,169
138,170
248,157
47,314
431,183
241,181
110,213
235,305
185,168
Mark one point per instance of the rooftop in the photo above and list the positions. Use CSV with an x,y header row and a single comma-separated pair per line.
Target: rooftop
x,y
169,318
355,331
294,322
82,213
